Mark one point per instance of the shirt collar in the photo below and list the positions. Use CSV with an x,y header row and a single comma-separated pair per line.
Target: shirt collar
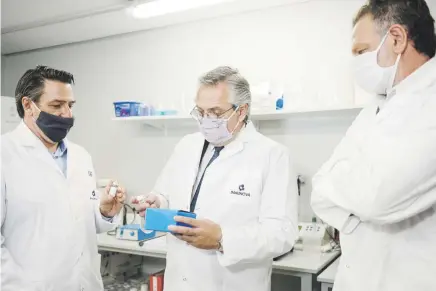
x,y
420,78
61,149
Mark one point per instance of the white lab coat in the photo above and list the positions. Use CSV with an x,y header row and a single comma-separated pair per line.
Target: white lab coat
x,y
259,222
49,222
384,174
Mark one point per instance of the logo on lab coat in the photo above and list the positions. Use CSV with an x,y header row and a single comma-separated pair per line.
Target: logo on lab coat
x,y
241,191
90,173
93,195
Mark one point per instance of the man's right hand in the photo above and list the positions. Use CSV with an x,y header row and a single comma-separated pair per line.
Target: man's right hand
x,y
144,202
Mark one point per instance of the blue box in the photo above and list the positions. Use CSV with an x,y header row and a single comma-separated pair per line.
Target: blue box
x,y
159,219
127,108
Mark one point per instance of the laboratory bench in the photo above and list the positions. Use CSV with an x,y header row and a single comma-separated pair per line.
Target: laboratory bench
x,y
156,248
303,264
327,278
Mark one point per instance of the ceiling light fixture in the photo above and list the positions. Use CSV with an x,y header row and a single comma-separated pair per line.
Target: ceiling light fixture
x,y
162,7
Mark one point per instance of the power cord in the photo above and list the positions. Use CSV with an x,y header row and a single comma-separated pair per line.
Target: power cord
x,y
133,211
125,206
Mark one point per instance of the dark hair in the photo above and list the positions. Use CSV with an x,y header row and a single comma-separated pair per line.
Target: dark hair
x,y
31,84
414,15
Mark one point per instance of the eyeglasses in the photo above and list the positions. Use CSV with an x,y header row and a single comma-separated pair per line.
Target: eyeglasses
x,y
198,113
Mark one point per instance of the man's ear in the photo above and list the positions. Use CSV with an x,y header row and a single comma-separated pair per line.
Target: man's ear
x,y
399,34
26,102
243,112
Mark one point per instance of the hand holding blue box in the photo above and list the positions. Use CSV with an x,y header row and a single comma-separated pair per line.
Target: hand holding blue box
x,y
159,219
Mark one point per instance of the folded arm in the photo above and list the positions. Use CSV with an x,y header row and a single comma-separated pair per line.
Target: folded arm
x,y
389,176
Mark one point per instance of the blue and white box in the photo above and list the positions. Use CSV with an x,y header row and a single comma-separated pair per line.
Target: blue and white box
x,y
134,232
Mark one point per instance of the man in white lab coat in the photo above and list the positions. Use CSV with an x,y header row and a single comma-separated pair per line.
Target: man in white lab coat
x,y
240,184
379,187
50,207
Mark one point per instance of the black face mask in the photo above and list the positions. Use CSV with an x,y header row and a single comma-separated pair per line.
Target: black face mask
x,y
54,127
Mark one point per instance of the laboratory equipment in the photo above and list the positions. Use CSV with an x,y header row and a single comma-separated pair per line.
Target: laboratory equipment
x,y
122,272
160,219
316,236
134,232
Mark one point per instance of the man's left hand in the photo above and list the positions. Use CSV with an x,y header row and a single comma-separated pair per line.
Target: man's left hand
x,y
111,206
204,234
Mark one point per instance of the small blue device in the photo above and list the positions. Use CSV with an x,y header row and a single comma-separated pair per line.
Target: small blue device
x,y
134,232
159,219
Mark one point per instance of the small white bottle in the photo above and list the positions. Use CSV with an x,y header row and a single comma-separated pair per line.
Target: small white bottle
x,y
141,199
113,189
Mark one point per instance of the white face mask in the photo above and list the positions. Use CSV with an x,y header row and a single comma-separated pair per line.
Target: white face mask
x,y
215,130
370,76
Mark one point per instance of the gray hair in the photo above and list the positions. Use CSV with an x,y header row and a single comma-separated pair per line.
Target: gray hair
x,y
413,15
239,86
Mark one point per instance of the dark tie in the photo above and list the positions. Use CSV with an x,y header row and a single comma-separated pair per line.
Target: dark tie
x,y
216,153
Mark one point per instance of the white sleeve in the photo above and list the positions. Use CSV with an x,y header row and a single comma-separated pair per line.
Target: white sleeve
x,y
102,224
388,176
277,229
323,207
12,277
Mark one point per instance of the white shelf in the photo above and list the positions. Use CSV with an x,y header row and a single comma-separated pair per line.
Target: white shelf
x,y
161,121
316,112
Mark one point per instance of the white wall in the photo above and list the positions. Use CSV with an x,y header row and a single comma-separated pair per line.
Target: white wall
x,y
297,43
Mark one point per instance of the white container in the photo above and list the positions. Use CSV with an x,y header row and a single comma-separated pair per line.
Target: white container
x,y
113,189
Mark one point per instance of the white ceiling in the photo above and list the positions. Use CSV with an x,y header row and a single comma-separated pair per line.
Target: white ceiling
x,y
46,23
14,14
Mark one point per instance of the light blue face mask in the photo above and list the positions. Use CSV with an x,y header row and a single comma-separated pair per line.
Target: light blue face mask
x,y
215,130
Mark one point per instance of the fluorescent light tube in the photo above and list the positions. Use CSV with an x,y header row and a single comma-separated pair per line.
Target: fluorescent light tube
x,y
162,7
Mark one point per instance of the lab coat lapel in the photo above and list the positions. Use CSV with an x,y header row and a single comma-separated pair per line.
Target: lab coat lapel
x,y
72,160
422,78
197,150
36,148
399,96
237,145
